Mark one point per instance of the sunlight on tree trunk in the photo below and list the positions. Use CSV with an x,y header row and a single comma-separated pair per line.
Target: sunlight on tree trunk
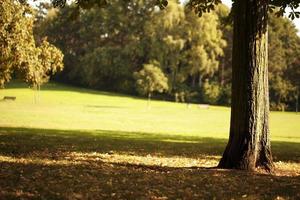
x,y
249,144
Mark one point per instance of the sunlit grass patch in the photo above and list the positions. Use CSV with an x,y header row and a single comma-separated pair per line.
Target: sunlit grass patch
x,y
77,158
69,108
37,161
287,168
148,160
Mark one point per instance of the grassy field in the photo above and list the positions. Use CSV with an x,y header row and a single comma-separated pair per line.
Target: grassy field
x,y
68,108
82,144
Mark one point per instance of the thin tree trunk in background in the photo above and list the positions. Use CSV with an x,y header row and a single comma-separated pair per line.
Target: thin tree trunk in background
x,y
39,92
249,144
35,93
149,99
200,81
297,102
193,81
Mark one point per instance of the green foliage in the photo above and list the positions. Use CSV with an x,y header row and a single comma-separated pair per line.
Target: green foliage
x,y
151,79
199,6
275,6
19,53
284,55
183,51
167,40
131,35
211,92
104,57
205,47
16,41
225,95
104,47
50,61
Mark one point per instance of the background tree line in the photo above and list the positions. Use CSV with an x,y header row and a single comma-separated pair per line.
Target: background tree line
x,y
105,48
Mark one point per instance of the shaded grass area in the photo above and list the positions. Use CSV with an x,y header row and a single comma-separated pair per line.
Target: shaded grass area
x,y
24,141
99,164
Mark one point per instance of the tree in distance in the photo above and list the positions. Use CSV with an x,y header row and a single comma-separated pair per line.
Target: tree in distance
x,y
151,79
50,61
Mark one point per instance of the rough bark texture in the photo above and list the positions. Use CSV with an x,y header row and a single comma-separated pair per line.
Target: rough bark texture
x,y
249,144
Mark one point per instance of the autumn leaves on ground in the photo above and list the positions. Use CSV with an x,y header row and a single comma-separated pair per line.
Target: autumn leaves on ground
x,y
70,143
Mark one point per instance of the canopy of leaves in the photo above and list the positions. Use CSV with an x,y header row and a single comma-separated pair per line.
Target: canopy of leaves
x,y
284,51
16,39
104,47
19,54
151,79
205,46
50,61
182,50
199,6
279,6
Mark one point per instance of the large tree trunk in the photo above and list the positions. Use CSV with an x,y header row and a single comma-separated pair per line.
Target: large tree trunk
x,y
249,144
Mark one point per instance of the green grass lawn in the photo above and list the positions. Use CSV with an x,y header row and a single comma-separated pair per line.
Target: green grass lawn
x,y
69,108
83,144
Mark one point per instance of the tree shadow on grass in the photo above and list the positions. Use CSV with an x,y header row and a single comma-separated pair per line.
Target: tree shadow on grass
x,y
22,141
38,164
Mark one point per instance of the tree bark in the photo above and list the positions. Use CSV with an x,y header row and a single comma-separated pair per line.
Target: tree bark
x,y
249,147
